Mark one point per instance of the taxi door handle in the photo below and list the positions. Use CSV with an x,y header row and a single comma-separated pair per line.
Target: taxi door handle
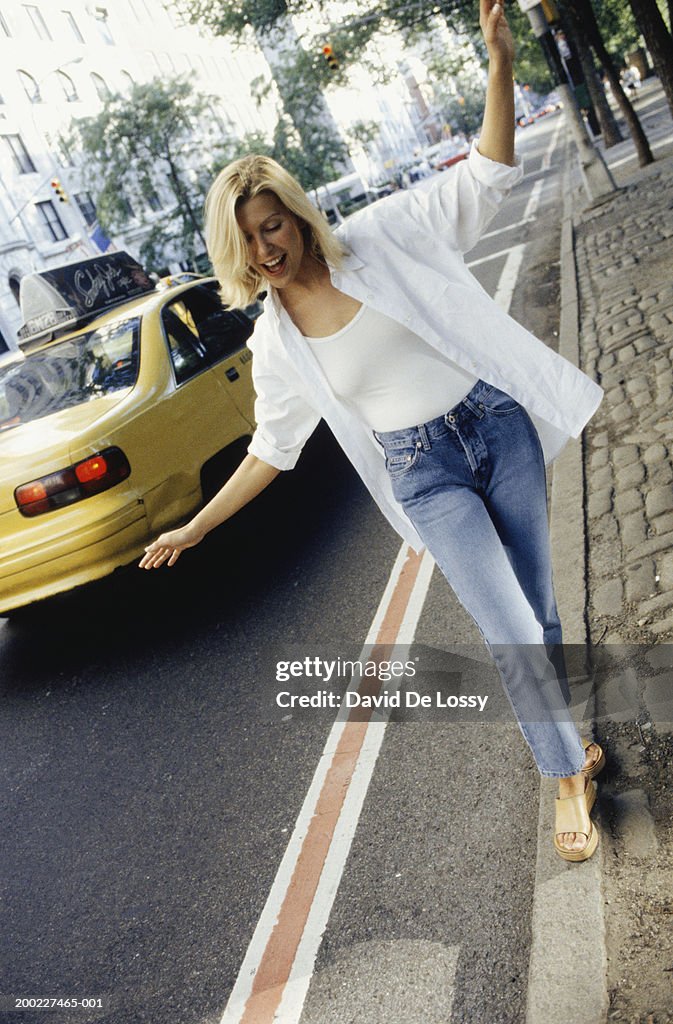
x,y
232,373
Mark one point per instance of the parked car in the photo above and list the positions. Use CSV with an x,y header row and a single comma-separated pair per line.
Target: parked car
x,y
460,153
131,406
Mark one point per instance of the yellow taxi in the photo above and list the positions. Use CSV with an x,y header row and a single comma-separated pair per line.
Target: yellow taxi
x,y
131,405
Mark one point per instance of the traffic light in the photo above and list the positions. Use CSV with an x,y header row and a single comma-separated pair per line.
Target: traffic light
x,y
331,59
58,190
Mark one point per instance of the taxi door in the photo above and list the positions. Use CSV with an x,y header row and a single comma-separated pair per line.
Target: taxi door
x,y
222,335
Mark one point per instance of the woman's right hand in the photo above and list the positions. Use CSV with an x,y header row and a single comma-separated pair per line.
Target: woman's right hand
x,y
169,546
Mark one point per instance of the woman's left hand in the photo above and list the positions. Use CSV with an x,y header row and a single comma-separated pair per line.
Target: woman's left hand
x,y
497,35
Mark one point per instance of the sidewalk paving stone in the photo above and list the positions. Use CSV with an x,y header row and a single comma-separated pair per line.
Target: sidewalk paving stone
x,y
624,270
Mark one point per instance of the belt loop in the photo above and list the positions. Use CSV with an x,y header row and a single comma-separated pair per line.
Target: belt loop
x,y
424,437
476,408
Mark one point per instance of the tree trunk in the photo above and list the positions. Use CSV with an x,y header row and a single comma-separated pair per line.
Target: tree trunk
x,y
658,41
584,11
609,127
182,197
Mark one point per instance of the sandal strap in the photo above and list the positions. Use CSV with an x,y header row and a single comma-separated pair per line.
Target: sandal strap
x,y
571,815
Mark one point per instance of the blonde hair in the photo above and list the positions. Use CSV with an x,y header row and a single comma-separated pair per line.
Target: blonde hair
x,y
239,181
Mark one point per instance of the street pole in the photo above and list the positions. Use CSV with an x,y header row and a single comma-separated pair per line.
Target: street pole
x,y
598,180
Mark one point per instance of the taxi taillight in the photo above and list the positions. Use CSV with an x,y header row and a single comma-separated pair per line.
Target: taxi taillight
x,y
66,486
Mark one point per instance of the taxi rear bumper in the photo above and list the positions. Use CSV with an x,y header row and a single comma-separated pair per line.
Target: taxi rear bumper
x,y
75,555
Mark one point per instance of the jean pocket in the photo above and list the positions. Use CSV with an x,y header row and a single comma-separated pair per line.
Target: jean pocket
x,y
499,403
399,461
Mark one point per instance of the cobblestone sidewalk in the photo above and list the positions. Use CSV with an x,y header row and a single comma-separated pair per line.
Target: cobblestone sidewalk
x,y
624,252
624,261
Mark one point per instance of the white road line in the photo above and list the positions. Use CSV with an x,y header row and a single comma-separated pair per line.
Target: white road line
x,y
634,156
492,256
533,200
507,227
294,997
546,159
296,990
509,276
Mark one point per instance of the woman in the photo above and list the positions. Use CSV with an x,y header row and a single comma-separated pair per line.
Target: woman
x,y
382,330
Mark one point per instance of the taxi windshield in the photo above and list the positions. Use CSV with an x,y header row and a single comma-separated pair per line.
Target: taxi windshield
x,y
69,373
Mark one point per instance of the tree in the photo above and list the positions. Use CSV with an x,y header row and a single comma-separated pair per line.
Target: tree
x,y
582,12
298,75
658,40
141,146
617,25
608,123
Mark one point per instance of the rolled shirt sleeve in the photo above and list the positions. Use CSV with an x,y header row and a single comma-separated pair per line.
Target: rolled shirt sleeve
x,y
285,420
464,200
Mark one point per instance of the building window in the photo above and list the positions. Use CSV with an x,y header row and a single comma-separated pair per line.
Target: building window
x,y
154,59
100,16
128,211
101,87
87,207
30,86
68,86
73,26
153,201
166,63
4,26
51,220
4,347
15,287
181,63
20,155
37,21
63,150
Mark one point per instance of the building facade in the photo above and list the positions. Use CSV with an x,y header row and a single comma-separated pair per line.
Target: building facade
x,y
59,60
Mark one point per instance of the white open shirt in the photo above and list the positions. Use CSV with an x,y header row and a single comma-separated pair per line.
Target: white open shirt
x,y
405,259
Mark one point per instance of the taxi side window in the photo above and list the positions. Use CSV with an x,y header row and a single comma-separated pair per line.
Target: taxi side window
x,y
200,332
183,342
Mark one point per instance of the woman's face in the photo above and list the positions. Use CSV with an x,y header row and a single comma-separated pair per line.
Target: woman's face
x,y
274,238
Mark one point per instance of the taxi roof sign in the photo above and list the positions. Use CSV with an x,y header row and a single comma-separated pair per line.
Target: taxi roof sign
x,y
62,296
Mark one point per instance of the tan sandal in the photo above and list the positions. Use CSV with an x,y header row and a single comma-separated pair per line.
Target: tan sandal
x,y
572,815
597,766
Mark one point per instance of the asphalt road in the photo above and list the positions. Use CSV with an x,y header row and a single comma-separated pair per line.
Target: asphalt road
x,y
149,784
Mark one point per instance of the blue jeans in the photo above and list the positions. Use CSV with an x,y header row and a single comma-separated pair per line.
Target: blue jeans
x,y
473,484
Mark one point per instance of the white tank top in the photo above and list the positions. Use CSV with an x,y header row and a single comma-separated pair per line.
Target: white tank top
x,y
387,374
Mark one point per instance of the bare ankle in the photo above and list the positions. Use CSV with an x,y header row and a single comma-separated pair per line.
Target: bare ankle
x,y
571,786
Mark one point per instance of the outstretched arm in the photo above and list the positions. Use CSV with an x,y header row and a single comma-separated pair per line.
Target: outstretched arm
x,y
496,140
249,480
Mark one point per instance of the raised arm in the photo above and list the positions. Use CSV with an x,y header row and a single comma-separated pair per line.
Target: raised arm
x,y
496,140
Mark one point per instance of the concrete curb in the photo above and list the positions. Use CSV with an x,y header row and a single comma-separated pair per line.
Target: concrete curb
x,y
567,980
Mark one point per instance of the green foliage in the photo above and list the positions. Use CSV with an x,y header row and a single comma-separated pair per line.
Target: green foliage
x,y
311,167
530,67
232,18
138,146
364,132
618,27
